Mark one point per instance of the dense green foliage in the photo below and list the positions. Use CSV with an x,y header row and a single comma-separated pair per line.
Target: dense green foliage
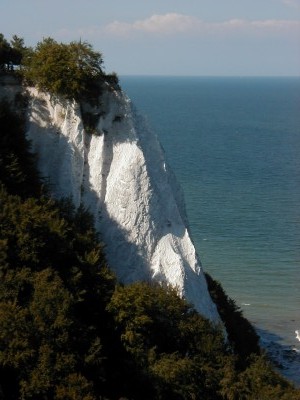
x,y
63,69
178,353
71,70
241,334
68,331
51,322
17,164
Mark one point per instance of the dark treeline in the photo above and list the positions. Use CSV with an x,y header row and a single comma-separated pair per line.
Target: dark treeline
x,y
11,53
70,331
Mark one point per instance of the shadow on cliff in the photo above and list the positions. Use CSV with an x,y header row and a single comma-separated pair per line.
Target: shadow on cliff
x,y
167,218
135,265
110,231
166,212
40,108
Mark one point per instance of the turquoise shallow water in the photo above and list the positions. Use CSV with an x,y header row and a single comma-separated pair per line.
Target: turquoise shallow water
x,y
234,145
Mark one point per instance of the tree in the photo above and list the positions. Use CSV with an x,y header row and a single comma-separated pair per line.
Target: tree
x,y
88,61
54,287
17,164
64,69
18,50
179,354
241,334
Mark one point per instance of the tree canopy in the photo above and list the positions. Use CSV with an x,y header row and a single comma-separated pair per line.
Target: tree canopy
x,y
72,70
64,69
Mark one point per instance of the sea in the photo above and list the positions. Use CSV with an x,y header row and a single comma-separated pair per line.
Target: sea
x,y
234,145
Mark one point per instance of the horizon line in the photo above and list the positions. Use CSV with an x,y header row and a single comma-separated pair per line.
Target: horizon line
x,y
206,76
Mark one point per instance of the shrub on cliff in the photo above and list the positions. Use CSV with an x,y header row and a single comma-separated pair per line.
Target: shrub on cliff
x,y
241,334
63,69
178,354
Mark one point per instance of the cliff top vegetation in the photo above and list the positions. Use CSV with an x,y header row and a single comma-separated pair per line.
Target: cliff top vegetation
x,y
73,70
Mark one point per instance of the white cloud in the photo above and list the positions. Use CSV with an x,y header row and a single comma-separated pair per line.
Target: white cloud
x,y
179,24
172,24
168,23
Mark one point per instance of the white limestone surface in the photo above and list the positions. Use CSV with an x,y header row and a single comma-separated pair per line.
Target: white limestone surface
x,y
121,175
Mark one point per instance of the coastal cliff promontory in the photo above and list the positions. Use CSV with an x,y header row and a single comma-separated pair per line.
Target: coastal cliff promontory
x,y
120,174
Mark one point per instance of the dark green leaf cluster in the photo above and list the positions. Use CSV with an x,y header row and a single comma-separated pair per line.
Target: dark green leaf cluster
x,y
69,332
52,324
176,353
241,334
17,164
170,352
71,70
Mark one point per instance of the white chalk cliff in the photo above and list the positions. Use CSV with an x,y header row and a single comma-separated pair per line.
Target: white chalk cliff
x,y
121,175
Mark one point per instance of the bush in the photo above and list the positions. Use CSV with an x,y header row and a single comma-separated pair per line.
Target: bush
x,y
180,355
241,334
17,165
63,69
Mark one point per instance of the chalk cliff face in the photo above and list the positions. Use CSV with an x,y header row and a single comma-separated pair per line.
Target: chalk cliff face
x,y
121,175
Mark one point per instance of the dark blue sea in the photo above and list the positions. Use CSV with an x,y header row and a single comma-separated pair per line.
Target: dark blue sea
x,y
234,145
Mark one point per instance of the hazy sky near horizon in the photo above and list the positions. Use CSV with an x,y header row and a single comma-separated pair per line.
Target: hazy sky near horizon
x,y
169,37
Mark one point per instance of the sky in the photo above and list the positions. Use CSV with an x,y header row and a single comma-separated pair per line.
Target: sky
x,y
169,37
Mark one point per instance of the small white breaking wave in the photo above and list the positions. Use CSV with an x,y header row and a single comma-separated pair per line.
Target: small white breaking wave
x,y
246,304
297,335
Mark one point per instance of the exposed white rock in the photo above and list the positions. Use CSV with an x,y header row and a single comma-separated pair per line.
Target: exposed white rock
x,y
121,175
